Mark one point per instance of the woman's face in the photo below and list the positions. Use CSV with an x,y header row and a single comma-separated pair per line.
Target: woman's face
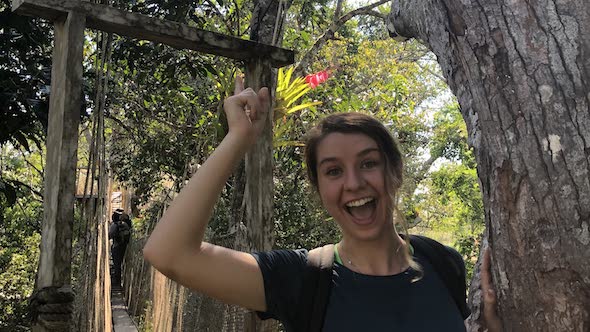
x,y
351,183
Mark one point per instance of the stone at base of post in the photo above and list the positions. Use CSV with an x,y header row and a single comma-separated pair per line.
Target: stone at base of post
x,y
51,308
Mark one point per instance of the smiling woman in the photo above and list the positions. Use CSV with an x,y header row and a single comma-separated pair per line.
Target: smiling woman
x,y
356,167
377,281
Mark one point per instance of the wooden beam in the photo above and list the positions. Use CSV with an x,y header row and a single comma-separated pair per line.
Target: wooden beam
x,y
60,187
140,26
62,144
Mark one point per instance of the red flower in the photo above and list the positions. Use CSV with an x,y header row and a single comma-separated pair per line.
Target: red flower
x,y
313,80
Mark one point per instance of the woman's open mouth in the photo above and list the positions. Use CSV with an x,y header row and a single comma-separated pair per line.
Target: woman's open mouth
x,y
362,209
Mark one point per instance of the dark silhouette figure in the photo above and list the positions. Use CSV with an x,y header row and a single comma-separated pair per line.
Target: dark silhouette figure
x,y
120,233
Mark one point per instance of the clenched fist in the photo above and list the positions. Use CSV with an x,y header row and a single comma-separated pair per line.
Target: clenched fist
x,y
247,111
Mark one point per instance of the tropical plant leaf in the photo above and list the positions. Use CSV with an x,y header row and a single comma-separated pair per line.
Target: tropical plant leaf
x,y
300,93
279,144
303,106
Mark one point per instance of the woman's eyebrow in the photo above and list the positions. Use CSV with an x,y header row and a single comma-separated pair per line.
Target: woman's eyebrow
x,y
367,151
360,154
327,160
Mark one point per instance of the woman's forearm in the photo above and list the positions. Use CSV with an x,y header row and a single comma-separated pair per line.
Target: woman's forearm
x,y
183,225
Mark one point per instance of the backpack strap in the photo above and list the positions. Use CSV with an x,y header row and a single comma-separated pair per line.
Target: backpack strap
x,y
448,265
317,284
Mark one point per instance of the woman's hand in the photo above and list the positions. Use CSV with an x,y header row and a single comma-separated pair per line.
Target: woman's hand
x,y
246,112
490,315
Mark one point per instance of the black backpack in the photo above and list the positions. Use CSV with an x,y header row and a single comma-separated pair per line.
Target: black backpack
x,y
317,280
123,233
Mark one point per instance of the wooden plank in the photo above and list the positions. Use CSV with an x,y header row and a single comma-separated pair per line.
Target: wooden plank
x,y
121,320
140,26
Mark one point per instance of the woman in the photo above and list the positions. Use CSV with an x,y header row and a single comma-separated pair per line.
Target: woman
x,y
356,168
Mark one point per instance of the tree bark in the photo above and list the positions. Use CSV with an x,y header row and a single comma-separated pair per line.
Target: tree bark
x,y
520,71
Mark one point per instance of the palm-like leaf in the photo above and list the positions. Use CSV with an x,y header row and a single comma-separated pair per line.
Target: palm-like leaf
x,y
289,91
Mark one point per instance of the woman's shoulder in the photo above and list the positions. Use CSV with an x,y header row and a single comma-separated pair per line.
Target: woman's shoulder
x,y
281,258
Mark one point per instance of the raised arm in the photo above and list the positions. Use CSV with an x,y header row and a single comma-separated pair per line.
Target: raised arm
x,y
176,246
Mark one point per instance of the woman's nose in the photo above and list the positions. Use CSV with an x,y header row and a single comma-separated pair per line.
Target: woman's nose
x,y
353,180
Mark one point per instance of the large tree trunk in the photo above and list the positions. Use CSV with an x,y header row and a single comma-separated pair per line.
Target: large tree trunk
x,y
520,71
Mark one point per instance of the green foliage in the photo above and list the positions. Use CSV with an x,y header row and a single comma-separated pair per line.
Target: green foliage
x,y
287,112
289,90
145,323
451,201
25,68
300,219
165,112
8,189
297,210
227,17
19,235
449,138
17,281
451,204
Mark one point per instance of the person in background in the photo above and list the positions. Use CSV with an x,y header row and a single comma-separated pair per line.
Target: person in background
x,y
120,233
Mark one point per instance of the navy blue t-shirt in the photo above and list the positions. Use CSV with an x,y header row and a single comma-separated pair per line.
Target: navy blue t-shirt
x,y
360,302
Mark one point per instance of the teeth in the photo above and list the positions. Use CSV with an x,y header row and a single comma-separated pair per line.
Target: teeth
x,y
360,202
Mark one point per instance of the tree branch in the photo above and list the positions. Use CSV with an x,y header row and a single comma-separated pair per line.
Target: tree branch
x,y
222,17
329,33
377,14
338,10
437,75
31,189
31,164
119,122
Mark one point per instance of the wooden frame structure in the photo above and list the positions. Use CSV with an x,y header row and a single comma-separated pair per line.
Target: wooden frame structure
x,y
70,18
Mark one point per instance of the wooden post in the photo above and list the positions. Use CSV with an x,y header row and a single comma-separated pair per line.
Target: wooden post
x,y
60,171
258,193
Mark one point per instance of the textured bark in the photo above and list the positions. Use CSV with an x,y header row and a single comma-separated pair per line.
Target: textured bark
x,y
258,193
520,71
266,27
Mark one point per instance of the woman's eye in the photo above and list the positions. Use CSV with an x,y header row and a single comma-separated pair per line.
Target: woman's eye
x,y
369,164
333,172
